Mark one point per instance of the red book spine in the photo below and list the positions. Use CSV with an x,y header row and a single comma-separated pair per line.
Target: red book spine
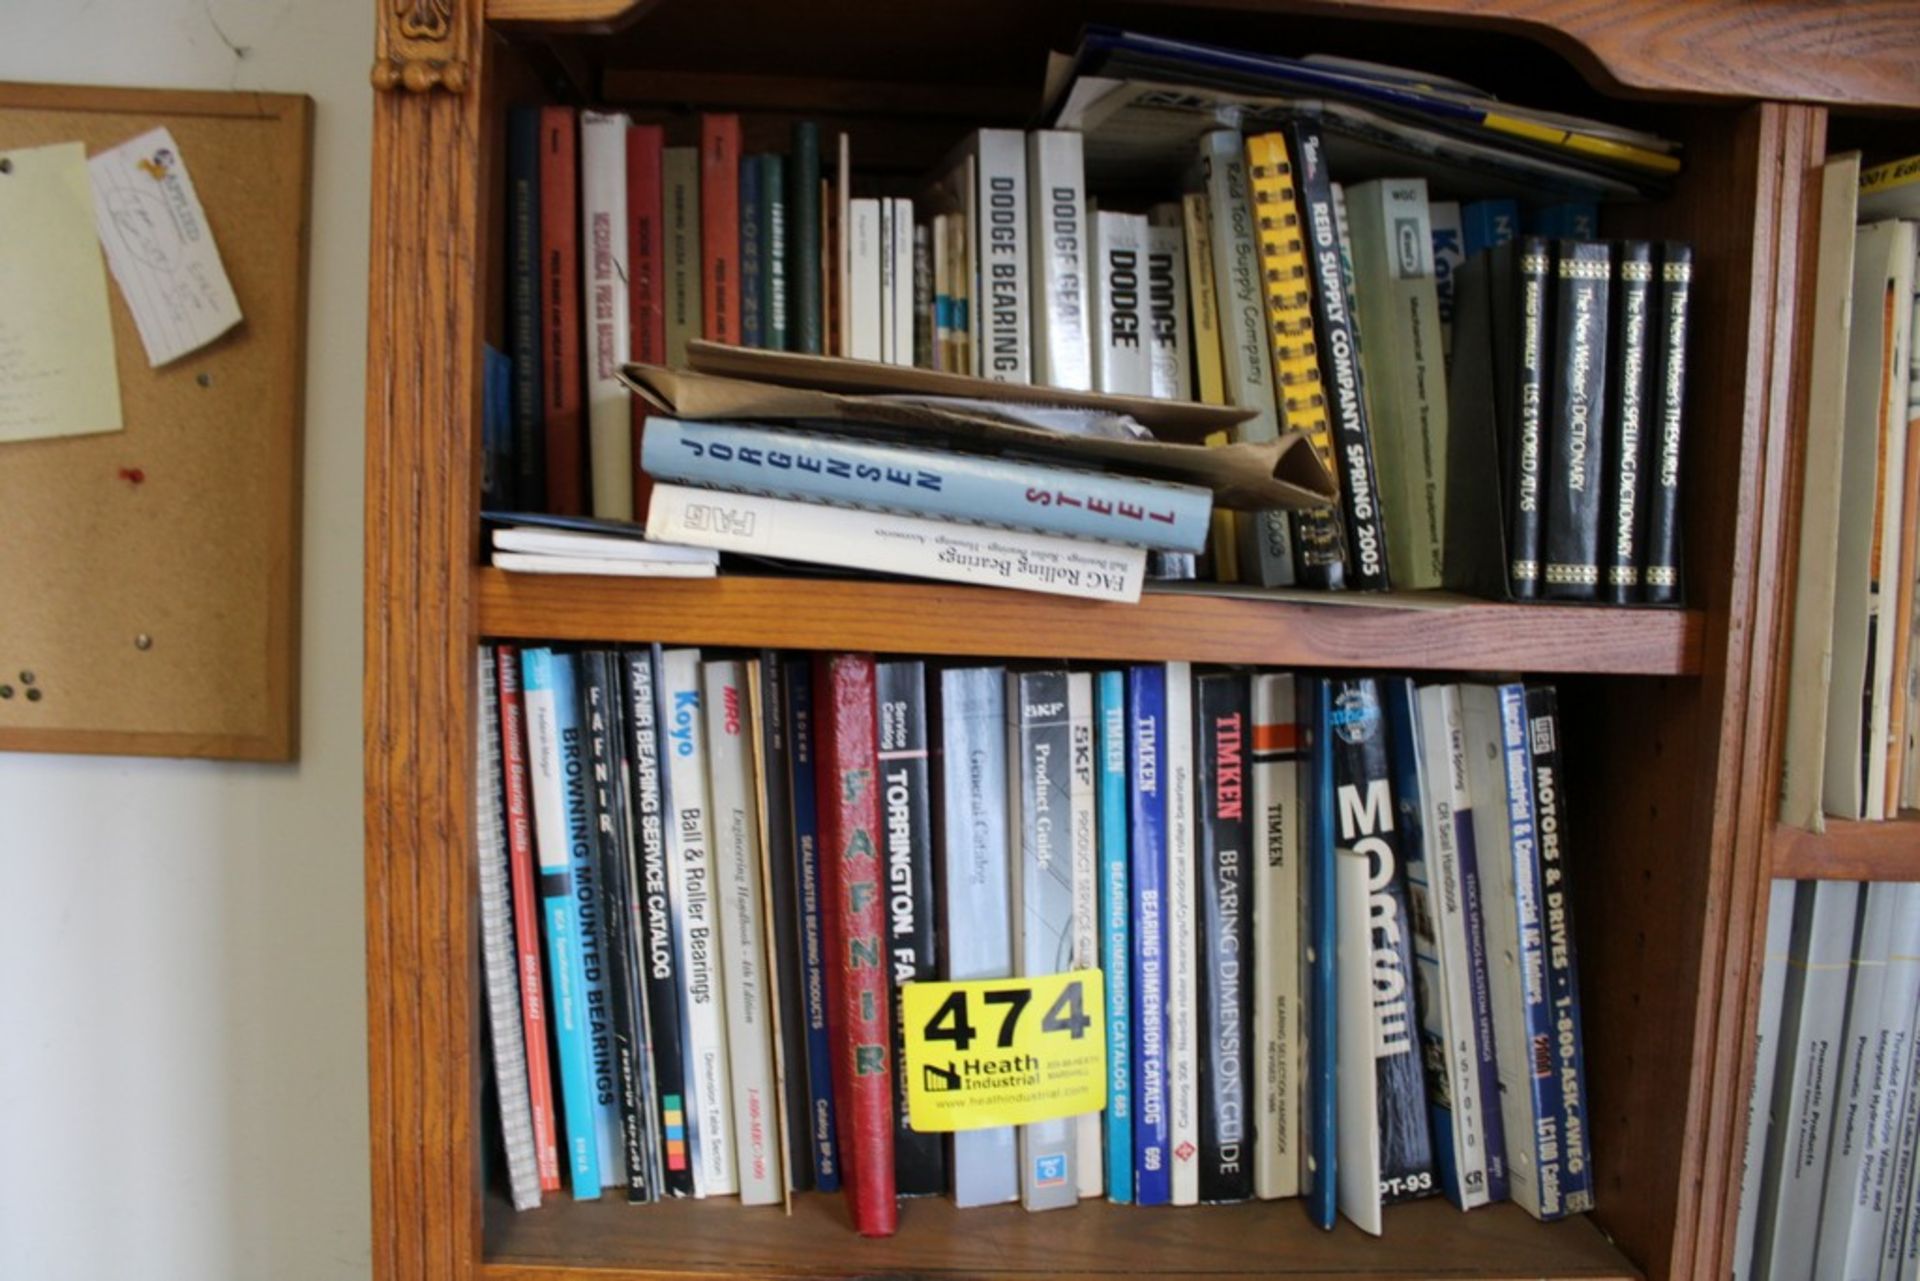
x,y
646,267
853,886
720,227
561,366
526,911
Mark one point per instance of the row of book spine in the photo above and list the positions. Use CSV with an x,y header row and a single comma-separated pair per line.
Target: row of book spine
x,y
1331,915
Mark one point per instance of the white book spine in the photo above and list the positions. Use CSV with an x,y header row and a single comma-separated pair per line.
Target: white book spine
x,y
1766,1053
889,340
1880,1180
887,543
1904,1156
865,301
1170,343
1244,350
603,255
1120,362
1061,239
1000,245
1813,1021
1406,391
900,313
690,866
1357,1108
1091,1163
743,952
1182,959
1889,572
1276,937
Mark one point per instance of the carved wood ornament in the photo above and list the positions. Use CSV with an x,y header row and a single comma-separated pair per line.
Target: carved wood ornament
x,y
417,47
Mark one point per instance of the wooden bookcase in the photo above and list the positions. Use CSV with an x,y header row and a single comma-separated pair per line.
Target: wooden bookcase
x,y
1672,717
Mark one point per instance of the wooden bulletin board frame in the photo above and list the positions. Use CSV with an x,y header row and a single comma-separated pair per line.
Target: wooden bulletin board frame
x,y
150,578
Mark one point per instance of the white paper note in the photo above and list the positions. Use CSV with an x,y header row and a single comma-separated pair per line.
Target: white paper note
x,y
56,338
160,246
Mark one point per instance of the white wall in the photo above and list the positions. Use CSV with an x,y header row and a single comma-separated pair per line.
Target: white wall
x,y
182,1030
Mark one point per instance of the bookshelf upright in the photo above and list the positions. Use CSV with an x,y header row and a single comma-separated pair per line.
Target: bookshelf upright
x,y
1671,760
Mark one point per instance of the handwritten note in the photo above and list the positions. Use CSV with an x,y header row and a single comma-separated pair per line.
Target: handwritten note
x,y
160,246
56,340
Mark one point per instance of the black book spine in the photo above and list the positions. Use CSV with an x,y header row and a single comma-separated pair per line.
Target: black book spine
x,y
1576,437
1366,551
1225,971
1365,806
1529,409
777,794
600,714
805,319
1551,830
529,485
1627,447
658,946
1661,575
900,689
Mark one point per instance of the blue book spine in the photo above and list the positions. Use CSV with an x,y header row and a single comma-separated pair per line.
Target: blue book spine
x,y
752,256
1537,1009
1116,909
1573,220
806,844
924,482
548,684
496,430
1319,1103
1487,224
529,487
1146,758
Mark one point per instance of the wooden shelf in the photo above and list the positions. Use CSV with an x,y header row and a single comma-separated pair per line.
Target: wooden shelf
x,y
811,613
608,1239
1888,851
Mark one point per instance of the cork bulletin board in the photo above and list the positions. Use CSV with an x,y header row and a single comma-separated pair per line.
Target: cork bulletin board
x,y
149,578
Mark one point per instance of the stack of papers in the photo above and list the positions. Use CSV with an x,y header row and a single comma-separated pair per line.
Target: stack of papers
x,y
530,543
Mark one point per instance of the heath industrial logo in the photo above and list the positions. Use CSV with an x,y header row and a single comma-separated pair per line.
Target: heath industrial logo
x,y
999,1052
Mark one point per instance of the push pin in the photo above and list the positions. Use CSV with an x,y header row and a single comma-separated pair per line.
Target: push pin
x,y
143,641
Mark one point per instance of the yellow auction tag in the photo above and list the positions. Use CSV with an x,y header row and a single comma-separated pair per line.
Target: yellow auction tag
x,y
993,1052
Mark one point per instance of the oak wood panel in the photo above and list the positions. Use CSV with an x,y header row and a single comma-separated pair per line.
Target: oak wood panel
x,y
808,613
608,1239
1888,851
1863,53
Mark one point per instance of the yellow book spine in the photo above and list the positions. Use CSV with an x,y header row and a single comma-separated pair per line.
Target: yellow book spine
x,y
1288,289
1605,148
1895,173
1210,374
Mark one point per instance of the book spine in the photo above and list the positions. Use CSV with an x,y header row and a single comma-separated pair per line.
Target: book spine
x,y
1885,1047
1120,363
526,910
497,478
1340,373
1116,906
811,905
659,946
720,297
736,822
680,172
1894,1182
1766,1057
1319,964
1274,773
1039,738
1003,256
922,295
776,292
807,316
603,238
1084,856
942,296
1857,1083
890,543
976,940
1660,577
1449,252
691,862
638,1139
1146,745
889,290
1488,224
1319,552
1267,551
968,487
753,256
1061,239
1183,956
505,1028
1573,219
560,362
523,304
850,838
1209,375
1576,429
864,298
548,680
899,317
1526,510
1226,937
646,245
919,1157
779,875
1170,349
1626,531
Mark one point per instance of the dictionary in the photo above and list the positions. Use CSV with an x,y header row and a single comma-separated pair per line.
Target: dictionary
x,y
1660,576
1627,422
1225,936
1576,422
1526,452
